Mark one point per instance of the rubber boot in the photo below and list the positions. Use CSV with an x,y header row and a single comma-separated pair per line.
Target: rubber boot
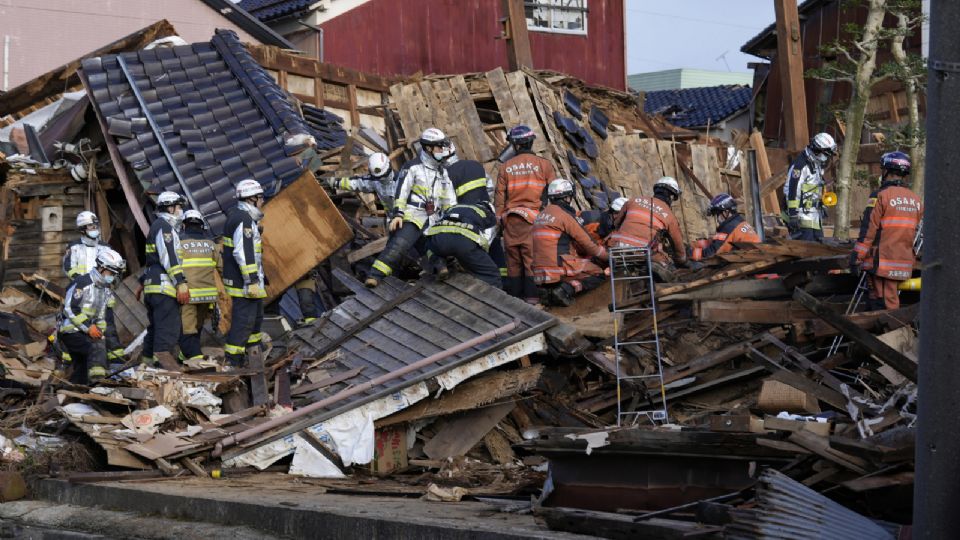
x,y
167,361
561,295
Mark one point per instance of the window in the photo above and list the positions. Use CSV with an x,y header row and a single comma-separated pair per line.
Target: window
x,y
562,16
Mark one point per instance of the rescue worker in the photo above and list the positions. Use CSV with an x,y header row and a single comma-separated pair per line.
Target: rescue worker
x,y
380,179
424,192
650,222
599,223
164,285
468,175
86,329
731,228
520,194
563,249
243,276
81,254
804,189
884,248
465,230
198,255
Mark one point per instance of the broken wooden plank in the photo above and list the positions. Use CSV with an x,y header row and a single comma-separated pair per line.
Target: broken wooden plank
x,y
461,434
747,269
821,446
884,352
751,311
325,382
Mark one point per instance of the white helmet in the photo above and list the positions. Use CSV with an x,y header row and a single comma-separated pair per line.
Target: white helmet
x,y
86,218
169,198
193,216
822,146
559,188
111,260
617,204
433,137
378,164
248,188
669,184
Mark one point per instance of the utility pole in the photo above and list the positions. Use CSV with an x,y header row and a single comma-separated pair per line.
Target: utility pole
x,y
936,491
515,33
790,64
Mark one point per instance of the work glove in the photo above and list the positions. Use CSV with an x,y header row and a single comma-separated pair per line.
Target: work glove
x,y
183,294
253,290
855,266
395,224
94,332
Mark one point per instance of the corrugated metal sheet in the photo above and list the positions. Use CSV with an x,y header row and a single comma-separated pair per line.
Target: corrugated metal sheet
x,y
438,317
220,113
789,510
442,315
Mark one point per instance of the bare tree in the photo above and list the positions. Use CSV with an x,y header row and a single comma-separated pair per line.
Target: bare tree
x,y
911,71
855,63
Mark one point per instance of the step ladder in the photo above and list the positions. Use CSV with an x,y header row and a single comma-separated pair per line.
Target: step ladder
x,y
633,293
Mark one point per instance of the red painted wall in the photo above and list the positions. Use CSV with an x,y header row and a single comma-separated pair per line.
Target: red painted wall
x,y
402,37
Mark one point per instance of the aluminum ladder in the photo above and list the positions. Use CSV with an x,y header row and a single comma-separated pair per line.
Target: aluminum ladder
x,y
633,292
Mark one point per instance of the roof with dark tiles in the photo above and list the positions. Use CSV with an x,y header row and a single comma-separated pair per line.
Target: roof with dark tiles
x,y
220,113
698,107
267,10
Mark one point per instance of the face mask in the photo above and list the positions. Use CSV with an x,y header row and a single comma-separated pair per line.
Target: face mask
x,y
95,233
108,279
439,156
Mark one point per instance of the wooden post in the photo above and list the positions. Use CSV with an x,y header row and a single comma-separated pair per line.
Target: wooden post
x,y
515,33
771,203
790,61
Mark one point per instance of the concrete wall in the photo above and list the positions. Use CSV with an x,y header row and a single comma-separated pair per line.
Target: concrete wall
x,y
44,34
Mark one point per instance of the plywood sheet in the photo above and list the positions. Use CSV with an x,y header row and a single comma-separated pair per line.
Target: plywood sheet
x,y
301,228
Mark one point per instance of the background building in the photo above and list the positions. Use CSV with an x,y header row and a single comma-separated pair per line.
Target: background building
x,y
675,79
583,38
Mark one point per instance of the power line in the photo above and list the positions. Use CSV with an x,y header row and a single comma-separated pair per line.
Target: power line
x,y
694,19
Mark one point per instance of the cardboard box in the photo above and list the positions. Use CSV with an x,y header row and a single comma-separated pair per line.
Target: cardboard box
x,y
389,449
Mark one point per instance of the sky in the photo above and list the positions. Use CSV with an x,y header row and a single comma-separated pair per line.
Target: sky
x,y
670,34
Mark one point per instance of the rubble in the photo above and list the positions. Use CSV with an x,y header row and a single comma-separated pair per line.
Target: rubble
x,y
451,389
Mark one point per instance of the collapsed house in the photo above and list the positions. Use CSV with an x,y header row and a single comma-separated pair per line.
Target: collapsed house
x,y
453,389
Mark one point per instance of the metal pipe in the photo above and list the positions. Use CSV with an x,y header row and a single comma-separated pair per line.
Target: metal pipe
x,y
361,388
156,132
936,497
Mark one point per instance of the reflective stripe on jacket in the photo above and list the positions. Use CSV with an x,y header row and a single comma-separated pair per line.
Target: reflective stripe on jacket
x,y
198,254
644,219
163,271
522,183
734,229
886,246
81,257
242,254
425,191
561,246
88,304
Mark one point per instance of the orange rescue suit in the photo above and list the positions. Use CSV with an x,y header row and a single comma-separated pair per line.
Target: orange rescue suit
x,y
562,248
886,248
732,230
644,218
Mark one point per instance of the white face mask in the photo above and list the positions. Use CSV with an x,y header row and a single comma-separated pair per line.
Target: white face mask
x,y
108,279
95,233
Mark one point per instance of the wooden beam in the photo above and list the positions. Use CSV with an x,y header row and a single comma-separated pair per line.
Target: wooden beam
x,y
881,350
790,61
751,311
770,203
515,33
